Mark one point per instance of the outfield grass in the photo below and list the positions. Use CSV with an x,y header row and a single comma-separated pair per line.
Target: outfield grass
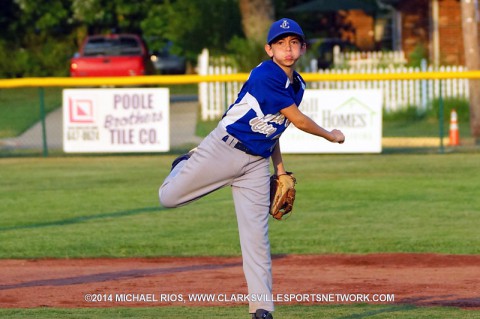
x,y
107,206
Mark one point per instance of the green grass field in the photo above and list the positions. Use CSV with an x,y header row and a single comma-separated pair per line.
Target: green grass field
x,y
20,108
107,206
283,312
352,203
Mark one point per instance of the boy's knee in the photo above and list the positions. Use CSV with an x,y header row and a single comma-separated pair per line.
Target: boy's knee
x,y
165,200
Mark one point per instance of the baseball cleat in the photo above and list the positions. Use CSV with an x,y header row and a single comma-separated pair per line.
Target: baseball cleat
x,y
262,314
182,157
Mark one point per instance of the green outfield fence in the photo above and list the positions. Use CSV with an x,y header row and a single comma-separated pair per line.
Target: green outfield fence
x,y
41,84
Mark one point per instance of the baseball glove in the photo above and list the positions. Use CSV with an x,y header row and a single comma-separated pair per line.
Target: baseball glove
x,y
282,194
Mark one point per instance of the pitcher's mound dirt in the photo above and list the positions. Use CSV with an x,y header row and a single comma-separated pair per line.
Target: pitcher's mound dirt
x,y
416,279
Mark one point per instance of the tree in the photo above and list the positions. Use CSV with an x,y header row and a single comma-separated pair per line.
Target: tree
x,y
472,62
257,16
192,25
101,16
41,36
36,38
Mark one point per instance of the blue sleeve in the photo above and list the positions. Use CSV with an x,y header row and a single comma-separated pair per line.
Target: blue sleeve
x,y
269,89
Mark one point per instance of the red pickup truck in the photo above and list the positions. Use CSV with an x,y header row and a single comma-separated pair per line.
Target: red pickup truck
x,y
112,55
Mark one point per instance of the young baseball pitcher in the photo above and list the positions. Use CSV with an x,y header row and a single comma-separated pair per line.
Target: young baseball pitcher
x,y
237,152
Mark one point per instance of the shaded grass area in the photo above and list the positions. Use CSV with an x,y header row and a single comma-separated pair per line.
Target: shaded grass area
x,y
20,108
410,122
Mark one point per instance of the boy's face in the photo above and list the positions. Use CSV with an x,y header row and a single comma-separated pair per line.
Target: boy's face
x,y
286,51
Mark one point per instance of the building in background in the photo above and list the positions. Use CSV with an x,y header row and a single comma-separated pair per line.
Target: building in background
x,y
432,28
435,24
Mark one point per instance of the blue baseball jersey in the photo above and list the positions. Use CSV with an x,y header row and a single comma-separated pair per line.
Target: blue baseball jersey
x,y
254,118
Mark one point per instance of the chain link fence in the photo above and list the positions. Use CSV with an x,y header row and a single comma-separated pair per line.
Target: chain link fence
x,y
31,114
32,122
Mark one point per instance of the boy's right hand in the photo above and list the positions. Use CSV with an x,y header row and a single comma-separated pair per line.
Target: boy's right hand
x,y
338,136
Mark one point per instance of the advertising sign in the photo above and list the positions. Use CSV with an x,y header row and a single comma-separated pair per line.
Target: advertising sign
x,y
116,120
357,113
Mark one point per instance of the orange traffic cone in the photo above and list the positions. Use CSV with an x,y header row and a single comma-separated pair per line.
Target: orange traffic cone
x,y
454,134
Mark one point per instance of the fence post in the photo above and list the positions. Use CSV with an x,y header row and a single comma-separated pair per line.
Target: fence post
x,y
423,68
42,117
203,60
440,115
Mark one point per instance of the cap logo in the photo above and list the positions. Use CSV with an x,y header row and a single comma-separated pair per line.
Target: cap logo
x,y
285,25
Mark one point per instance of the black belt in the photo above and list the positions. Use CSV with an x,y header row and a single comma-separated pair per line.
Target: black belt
x,y
238,145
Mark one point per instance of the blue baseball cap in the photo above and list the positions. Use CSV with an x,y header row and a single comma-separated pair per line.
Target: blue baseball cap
x,y
282,27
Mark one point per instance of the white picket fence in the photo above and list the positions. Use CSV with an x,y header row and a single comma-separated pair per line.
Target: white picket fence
x,y
398,94
215,97
367,60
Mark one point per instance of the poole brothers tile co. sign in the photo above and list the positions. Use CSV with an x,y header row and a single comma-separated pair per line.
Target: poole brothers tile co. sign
x,y
357,113
116,120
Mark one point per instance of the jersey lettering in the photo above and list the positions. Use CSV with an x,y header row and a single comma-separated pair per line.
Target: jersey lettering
x,y
275,118
260,126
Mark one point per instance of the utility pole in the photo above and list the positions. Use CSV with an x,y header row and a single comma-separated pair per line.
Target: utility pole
x,y
472,62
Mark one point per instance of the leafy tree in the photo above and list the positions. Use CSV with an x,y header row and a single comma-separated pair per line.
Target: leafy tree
x,y
100,16
37,43
46,19
39,37
192,25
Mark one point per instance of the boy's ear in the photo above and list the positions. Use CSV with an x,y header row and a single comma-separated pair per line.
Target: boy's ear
x,y
268,49
304,48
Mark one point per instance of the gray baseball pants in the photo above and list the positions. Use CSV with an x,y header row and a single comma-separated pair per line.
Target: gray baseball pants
x,y
215,164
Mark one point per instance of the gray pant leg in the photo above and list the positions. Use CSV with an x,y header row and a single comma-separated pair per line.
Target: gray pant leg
x,y
251,194
214,165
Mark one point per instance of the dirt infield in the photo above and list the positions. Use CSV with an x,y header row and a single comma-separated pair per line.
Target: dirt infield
x,y
416,279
